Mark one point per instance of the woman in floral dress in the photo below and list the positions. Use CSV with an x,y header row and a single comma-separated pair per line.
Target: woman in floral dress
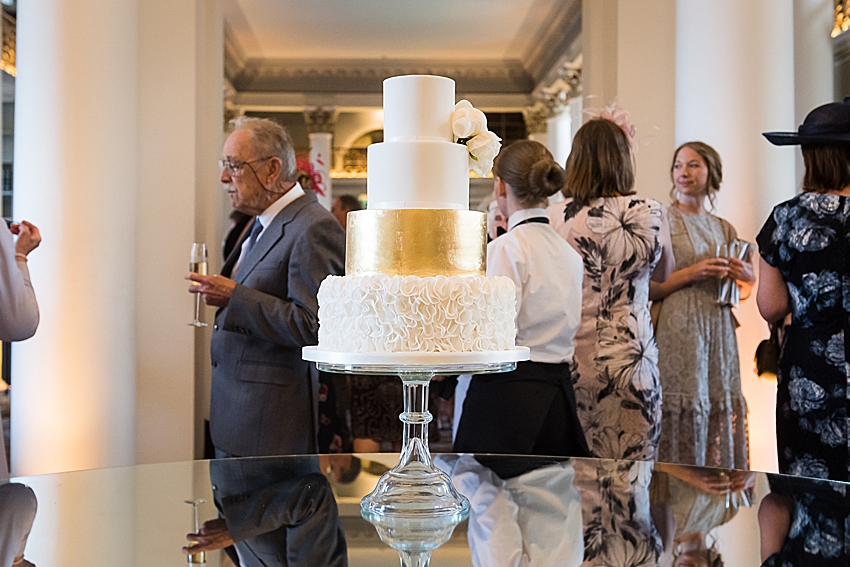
x,y
623,241
705,416
805,270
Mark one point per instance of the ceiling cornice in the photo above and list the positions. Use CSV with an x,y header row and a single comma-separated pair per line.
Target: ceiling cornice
x,y
559,41
296,102
234,56
367,75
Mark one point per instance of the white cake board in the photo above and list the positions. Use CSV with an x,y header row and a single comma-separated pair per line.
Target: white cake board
x,y
396,359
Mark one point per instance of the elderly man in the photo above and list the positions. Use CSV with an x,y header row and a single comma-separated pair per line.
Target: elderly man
x,y
264,396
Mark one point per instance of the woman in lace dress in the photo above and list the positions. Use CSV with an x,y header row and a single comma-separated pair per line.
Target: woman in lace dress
x,y
704,418
804,270
623,241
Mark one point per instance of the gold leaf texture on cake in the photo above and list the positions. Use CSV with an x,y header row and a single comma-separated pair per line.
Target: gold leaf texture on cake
x,y
416,242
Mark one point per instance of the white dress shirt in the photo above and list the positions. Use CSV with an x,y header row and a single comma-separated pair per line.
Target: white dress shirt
x,y
548,276
266,218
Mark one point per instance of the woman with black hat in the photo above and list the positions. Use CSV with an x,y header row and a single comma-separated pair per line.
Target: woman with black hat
x,y
805,270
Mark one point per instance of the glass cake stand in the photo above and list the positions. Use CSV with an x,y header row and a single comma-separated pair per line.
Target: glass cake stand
x,y
415,488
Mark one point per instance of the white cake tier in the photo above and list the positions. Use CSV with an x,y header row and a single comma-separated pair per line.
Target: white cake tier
x,y
418,175
379,313
418,107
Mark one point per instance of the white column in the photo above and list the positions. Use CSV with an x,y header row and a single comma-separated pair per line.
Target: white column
x,y
629,51
115,133
321,152
75,164
813,62
320,125
735,80
559,135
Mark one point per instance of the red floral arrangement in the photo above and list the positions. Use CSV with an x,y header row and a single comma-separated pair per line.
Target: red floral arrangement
x,y
306,170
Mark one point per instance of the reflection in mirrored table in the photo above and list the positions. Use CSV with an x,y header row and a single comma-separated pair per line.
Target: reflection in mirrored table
x,y
305,510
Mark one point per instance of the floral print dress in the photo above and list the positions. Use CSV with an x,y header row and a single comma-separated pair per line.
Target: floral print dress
x,y
806,239
618,393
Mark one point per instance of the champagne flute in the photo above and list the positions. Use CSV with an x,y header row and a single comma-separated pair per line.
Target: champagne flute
x,y
198,265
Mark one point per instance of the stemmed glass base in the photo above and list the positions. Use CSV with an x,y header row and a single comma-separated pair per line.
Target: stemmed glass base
x,y
415,487
415,507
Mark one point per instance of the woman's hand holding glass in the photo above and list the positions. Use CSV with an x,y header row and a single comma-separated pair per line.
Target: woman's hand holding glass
x,y
708,269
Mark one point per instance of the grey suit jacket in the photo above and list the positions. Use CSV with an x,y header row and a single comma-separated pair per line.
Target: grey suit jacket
x,y
264,396
280,512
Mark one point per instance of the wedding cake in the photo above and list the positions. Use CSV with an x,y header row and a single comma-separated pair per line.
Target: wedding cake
x,y
415,258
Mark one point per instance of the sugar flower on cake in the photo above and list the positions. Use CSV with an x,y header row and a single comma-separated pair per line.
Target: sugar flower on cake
x,y
469,127
467,121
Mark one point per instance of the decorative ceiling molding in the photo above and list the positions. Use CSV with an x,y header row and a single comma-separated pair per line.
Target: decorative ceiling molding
x,y
558,41
367,75
234,57
343,102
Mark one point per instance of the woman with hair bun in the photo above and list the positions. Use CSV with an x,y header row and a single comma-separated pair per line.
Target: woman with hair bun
x,y
705,415
530,411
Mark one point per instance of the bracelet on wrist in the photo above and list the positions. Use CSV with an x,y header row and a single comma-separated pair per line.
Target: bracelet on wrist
x,y
21,256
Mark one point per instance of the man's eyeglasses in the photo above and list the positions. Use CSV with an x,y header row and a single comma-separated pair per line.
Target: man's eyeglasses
x,y
235,167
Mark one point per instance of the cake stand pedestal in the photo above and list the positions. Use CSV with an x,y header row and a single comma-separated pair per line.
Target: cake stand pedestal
x,y
414,496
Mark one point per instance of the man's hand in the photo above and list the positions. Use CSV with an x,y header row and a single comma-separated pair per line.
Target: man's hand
x,y
216,290
212,535
28,237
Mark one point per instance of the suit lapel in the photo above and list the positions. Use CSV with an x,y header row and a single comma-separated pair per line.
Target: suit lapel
x,y
230,261
271,235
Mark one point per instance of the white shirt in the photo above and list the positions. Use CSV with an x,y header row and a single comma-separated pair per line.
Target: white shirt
x,y
548,276
267,216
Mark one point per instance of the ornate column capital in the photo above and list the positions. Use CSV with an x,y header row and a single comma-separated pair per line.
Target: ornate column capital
x,y
556,97
536,118
320,119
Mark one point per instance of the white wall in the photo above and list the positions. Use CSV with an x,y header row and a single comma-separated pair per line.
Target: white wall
x,y
734,80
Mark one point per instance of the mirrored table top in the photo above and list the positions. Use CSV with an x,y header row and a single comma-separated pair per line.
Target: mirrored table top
x,y
305,510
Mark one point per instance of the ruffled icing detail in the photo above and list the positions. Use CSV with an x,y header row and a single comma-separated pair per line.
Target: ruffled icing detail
x,y
380,313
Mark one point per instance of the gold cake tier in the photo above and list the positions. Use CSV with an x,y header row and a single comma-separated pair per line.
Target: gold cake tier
x,y
416,242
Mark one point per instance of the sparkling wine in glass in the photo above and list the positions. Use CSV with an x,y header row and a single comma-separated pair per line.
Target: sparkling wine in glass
x,y
198,265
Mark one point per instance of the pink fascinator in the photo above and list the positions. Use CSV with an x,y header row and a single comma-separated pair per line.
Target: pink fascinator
x,y
618,116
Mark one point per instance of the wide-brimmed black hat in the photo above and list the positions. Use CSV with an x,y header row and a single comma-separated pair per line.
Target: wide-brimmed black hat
x,y
827,123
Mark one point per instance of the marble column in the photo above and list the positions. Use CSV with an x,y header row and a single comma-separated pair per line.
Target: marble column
x,y
117,132
559,132
320,122
735,80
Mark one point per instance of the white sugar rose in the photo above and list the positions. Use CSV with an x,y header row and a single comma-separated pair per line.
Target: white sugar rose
x,y
483,149
467,121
